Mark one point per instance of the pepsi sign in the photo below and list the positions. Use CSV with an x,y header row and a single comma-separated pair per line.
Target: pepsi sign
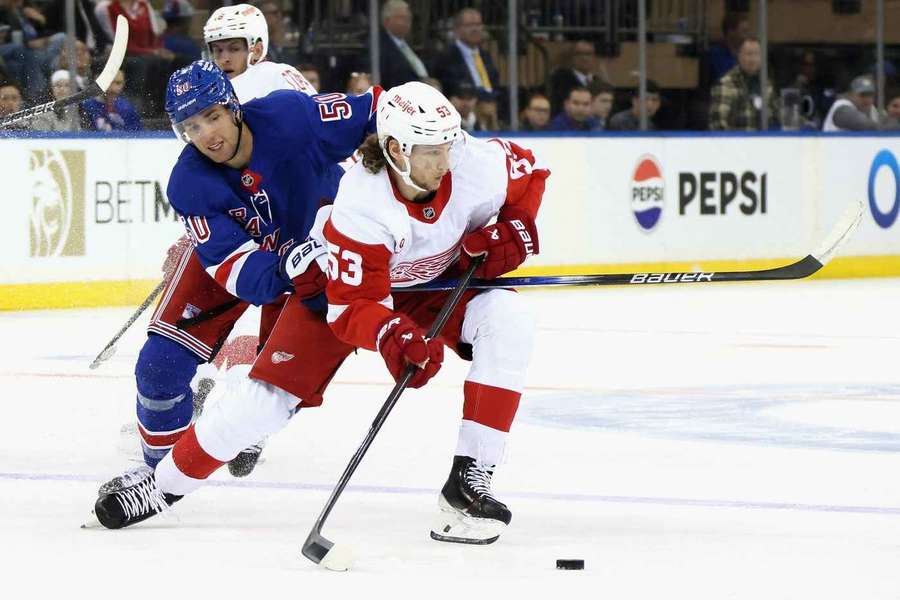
x,y
647,192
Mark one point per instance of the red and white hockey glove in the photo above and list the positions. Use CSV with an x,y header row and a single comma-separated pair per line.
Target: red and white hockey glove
x,y
304,264
506,244
402,343
173,256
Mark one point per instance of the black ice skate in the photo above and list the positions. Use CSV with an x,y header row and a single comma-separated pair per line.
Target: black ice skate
x,y
244,463
469,512
133,503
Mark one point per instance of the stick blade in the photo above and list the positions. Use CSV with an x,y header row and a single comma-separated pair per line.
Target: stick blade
x,y
116,55
840,233
103,356
316,547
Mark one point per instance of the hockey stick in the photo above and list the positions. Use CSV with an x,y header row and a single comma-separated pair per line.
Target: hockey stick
x,y
110,348
95,88
320,550
804,267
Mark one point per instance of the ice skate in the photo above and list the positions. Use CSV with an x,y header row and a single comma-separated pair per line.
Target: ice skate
x,y
137,499
469,512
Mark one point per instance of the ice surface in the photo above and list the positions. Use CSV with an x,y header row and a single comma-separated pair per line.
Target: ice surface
x,y
720,441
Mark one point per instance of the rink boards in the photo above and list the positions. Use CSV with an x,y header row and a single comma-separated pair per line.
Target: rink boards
x,y
88,220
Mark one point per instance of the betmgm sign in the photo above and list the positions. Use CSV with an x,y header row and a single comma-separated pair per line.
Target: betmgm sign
x,y
56,215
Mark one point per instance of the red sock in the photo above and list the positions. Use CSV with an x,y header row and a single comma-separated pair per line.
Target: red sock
x,y
191,459
490,406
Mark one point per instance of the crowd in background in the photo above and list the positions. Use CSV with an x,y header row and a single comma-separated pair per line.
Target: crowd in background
x,y
576,95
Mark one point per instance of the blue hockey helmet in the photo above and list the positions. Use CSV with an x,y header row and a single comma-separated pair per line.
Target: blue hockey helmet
x,y
193,89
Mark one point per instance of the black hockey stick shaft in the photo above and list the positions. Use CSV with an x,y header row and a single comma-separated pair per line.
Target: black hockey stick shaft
x,y
797,270
109,350
316,546
800,269
95,88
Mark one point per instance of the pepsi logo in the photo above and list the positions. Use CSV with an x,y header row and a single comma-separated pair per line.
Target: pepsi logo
x,y
647,192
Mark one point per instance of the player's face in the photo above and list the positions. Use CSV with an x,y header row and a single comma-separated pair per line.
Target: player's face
x,y
230,56
213,132
429,164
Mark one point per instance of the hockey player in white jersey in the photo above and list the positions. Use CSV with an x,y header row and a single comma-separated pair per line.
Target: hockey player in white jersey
x,y
237,40
444,199
426,199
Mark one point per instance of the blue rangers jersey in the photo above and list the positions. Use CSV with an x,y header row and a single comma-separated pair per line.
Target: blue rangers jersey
x,y
241,220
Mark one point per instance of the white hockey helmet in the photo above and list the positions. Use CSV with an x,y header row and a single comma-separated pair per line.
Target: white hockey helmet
x,y
240,21
415,113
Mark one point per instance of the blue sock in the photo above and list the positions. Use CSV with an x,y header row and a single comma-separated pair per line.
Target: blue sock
x,y
165,401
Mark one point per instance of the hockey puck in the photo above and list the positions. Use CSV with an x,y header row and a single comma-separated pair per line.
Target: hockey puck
x,y
570,564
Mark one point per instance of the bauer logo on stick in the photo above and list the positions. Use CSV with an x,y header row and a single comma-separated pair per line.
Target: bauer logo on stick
x,y
647,192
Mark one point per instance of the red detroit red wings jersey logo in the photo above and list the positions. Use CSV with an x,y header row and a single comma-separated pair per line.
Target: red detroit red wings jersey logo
x,y
424,269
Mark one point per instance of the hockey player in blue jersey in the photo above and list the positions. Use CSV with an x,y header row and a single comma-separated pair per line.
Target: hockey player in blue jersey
x,y
248,187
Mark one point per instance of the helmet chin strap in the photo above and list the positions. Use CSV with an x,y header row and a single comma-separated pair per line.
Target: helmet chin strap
x,y
406,174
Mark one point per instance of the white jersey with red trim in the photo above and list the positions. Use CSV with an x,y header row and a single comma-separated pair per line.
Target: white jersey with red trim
x,y
264,78
377,239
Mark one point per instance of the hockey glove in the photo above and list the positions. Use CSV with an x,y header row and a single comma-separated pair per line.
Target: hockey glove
x,y
506,244
402,343
304,264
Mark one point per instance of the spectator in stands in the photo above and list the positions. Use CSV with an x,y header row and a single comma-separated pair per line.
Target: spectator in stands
x,y
311,73
579,74
87,28
630,119
536,115
399,62
856,110
722,55
178,15
112,112
66,119
145,26
358,83
147,61
486,115
271,9
464,97
31,59
736,101
892,108
811,91
12,51
83,63
465,60
10,100
576,113
602,98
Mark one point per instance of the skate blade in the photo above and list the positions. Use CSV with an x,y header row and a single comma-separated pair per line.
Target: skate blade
x,y
92,522
458,528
